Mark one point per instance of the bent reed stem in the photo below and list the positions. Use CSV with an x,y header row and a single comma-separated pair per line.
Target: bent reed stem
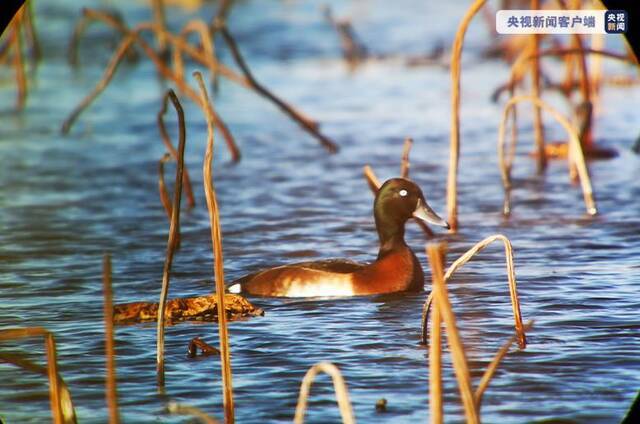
x,y
216,240
172,242
456,53
339,387
576,156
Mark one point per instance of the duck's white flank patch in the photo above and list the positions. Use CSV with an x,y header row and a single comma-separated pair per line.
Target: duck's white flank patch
x,y
321,286
235,289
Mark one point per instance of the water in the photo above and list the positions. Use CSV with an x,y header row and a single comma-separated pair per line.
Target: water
x,y
66,200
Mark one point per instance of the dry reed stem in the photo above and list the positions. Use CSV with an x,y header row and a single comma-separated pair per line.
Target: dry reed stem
x,y
221,15
68,410
339,387
55,395
405,164
166,140
157,7
111,393
537,113
31,33
134,35
306,123
511,276
374,184
576,156
18,60
424,330
80,28
435,347
493,366
171,243
5,48
215,67
456,53
459,359
179,409
595,63
54,386
583,73
101,85
520,64
216,240
206,41
373,181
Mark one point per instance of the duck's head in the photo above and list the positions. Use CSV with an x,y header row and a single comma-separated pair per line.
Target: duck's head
x,y
398,200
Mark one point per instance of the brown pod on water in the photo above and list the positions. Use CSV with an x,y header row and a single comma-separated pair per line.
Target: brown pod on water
x,y
201,308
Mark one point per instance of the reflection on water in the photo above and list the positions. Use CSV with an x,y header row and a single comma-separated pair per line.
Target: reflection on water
x,y
65,201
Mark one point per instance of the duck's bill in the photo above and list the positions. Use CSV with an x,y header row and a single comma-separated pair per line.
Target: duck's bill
x,y
424,212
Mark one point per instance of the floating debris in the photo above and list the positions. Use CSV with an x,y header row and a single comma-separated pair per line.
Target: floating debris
x,y
200,308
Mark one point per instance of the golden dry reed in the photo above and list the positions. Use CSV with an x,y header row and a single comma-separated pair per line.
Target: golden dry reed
x,y
456,53
511,276
458,355
404,163
15,43
216,240
68,410
435,345
179,409
159,17
55,395
493,366
111,393
339,386
442,311
576,155
131,36
372,180
172,240
535,92
203,56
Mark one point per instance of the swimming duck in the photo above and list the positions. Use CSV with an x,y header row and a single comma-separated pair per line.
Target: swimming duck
x,y
396,268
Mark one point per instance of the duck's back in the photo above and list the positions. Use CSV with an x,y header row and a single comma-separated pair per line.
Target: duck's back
x,y
395,272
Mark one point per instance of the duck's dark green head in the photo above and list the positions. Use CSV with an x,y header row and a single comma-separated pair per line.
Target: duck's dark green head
x,y
398,200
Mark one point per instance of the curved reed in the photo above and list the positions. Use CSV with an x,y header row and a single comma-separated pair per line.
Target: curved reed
x,y
216,240
55,394
535,92
174,229
576,155
456,53
68,410
435,343
131,36
166,140
493,366
511,276
458,356
339,386
110,392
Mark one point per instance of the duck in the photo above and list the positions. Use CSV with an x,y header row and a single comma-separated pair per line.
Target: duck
x,y
396,268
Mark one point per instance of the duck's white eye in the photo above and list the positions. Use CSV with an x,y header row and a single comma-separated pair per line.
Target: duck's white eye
x,y
403,192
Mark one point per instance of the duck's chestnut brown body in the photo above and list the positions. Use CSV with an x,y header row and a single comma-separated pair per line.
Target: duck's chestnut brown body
x,y
395,270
